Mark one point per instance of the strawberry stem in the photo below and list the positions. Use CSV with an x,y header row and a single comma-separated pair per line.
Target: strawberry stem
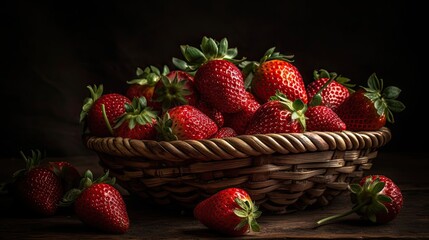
x,y
338,216
103,109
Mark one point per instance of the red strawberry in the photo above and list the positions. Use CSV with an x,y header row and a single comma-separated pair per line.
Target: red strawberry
x,y
334,93
275,72
368,108
99,204
144,84
376,198
185,122
212,112
229,211
239,120
138,122
100,111
37,187
322,118
279,115
225,132
67,172
218,80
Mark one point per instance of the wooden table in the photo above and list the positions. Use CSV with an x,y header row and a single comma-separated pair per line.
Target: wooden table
x,y
154,222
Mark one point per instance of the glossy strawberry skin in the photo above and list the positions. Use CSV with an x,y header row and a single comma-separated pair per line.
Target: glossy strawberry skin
x,y
137,90
221,84
225,132
359,114
332,96
40,190
114,105
68,173
391,190
217,211
191,123
212,113
272,117
102,206
322,118
279,75
239,120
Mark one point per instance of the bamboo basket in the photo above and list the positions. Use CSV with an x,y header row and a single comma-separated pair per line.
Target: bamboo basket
x,y
281,172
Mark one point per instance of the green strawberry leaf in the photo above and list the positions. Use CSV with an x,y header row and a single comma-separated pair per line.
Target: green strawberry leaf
x,y
383,198
391,92
355,188
395,105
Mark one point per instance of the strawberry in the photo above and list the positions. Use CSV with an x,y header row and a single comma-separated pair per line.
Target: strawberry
x,y
376,198
185,122
225,132
239,120
323,118
333,93
144,84
217,78
274,72
229,211
37,187
138,122
99,111
175,88
97,203
368,108
68,173
211,112
279,115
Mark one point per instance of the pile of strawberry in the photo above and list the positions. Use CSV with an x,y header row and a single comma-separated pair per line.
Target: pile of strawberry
x,y
211,94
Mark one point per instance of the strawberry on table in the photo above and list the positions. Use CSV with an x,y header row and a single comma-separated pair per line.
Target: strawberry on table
x,y
138,122
217,78
68,173
274,72
229,211
376,198
37,187
185,122
279,115
99,204
99,111
368,108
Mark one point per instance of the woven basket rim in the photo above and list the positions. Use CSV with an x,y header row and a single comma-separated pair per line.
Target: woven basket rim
x,y
239,146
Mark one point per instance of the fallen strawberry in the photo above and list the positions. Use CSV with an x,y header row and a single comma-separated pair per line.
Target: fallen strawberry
x,y
99,204
376,199
229,211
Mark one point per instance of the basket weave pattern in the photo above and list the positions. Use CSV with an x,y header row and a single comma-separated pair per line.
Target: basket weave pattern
x,y
281,172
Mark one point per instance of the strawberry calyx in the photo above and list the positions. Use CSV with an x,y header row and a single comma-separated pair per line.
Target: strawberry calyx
x,y
149,76
164,127
87,180
322,73
297,107
31,161
384,99
172,93
96,92
248,213
368,201
136,113
210,49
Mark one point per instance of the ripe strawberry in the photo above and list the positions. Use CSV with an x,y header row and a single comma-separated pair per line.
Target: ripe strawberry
x,y
376,199
239,120
37,187
138,122
275,72
279,115
333,93
225,132
323,118
99,204
229,211
144,84
68,173
211,112
368,108
185,122
218,80
100,111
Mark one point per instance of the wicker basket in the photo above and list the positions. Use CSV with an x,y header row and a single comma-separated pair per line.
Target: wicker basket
x,y
281,172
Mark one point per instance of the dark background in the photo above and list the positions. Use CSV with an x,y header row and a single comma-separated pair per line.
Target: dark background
x,y
51,52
